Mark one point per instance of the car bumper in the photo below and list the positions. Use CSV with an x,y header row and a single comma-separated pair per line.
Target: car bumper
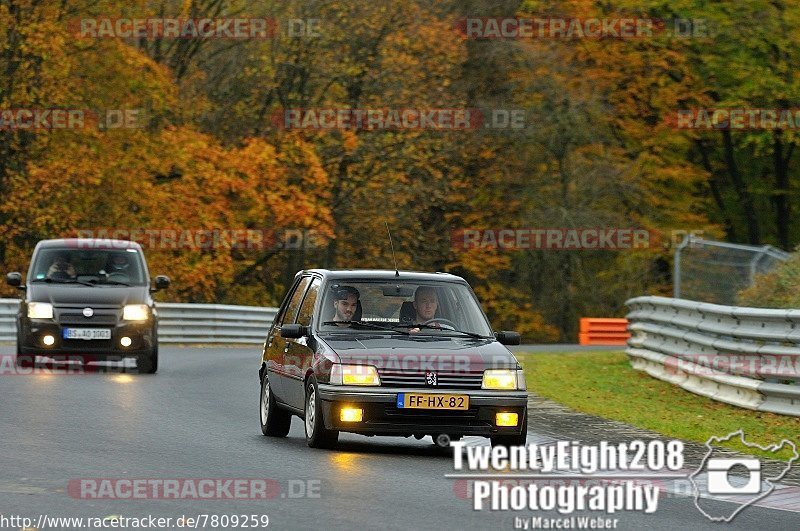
x,y
142,335
381,416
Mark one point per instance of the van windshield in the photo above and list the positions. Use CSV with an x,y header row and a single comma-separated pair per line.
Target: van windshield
x,y
89,266
435,308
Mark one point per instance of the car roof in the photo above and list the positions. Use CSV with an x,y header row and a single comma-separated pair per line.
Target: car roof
x,y
88,244
382,274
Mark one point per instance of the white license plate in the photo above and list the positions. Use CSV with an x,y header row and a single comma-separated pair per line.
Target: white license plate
x,y
87,333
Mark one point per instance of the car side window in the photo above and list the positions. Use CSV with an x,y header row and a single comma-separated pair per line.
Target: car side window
x,y
294,304
307,308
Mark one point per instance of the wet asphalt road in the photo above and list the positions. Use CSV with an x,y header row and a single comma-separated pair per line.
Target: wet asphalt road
x,y
197,418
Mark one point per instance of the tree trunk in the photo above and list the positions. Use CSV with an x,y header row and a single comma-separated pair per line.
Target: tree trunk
x,y
781,193
745,197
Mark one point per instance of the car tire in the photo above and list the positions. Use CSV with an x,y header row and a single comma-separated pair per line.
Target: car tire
x,y
317,435
512,440
275,421
24,360
147,363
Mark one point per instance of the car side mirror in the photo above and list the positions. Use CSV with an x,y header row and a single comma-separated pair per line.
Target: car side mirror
x,y
293,331
508,337
162,282
14,280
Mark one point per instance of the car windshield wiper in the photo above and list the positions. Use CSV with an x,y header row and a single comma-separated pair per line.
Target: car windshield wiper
x,y
431,327
65,281
114,283
368,325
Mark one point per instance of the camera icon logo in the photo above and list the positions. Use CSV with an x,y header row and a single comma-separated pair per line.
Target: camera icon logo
x,y
737,479
721,478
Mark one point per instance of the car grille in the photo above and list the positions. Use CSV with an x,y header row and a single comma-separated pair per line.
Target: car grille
x,y
88,346
416,379
429,415
74,316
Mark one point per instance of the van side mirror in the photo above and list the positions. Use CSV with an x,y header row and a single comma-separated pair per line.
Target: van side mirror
x,y
162,282
293,331
508,337
14,280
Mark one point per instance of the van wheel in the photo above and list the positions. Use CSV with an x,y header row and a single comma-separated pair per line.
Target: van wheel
x,y
148,363
26,361
274,421
317,435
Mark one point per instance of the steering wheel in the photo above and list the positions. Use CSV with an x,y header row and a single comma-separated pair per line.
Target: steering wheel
x,y
441,320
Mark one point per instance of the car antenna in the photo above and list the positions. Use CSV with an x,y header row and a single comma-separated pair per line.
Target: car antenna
x,y
396,270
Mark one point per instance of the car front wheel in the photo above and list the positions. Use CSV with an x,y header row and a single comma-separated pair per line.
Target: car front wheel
x,y
275,422
148,363
317,435
25,360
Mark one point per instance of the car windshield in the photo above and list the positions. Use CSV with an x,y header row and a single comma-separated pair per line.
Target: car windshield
x,y
421,308
118,267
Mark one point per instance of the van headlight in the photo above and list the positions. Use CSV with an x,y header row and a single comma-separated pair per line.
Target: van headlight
x,y
135,312
504,379
40,310
354,375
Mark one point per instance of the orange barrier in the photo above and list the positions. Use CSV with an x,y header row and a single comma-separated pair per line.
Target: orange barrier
x,y
603,331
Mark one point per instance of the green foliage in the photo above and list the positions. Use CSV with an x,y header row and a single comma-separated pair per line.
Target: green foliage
x,y
779,288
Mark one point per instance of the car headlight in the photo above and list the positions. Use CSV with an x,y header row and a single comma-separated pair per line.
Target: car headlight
x,y
506,379
135,312
40,310
354,375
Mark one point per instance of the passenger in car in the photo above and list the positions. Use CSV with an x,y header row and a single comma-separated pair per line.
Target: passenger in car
x,y
61,268
345,304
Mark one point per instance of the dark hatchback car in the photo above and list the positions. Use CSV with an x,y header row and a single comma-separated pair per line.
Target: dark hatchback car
x,y
388,353
88,300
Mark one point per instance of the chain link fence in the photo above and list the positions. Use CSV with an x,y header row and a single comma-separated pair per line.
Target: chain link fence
x,y
712,271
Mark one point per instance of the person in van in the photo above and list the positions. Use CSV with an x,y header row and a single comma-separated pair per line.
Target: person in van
x,y
61,268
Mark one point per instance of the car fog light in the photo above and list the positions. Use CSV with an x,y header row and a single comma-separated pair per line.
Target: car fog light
x,y
507,419
48,340
125,341
351,414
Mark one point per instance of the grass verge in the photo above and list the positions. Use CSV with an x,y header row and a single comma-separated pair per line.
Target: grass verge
x,y
604,384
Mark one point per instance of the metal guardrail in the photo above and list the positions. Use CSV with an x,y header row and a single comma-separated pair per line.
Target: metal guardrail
x,y
748,357
185,323
8,324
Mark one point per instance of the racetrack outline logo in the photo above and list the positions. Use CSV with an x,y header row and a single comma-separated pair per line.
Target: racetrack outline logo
x,y
769,480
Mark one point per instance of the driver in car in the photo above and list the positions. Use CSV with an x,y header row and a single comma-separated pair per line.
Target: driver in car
x,y
117,267
119,264
425,304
